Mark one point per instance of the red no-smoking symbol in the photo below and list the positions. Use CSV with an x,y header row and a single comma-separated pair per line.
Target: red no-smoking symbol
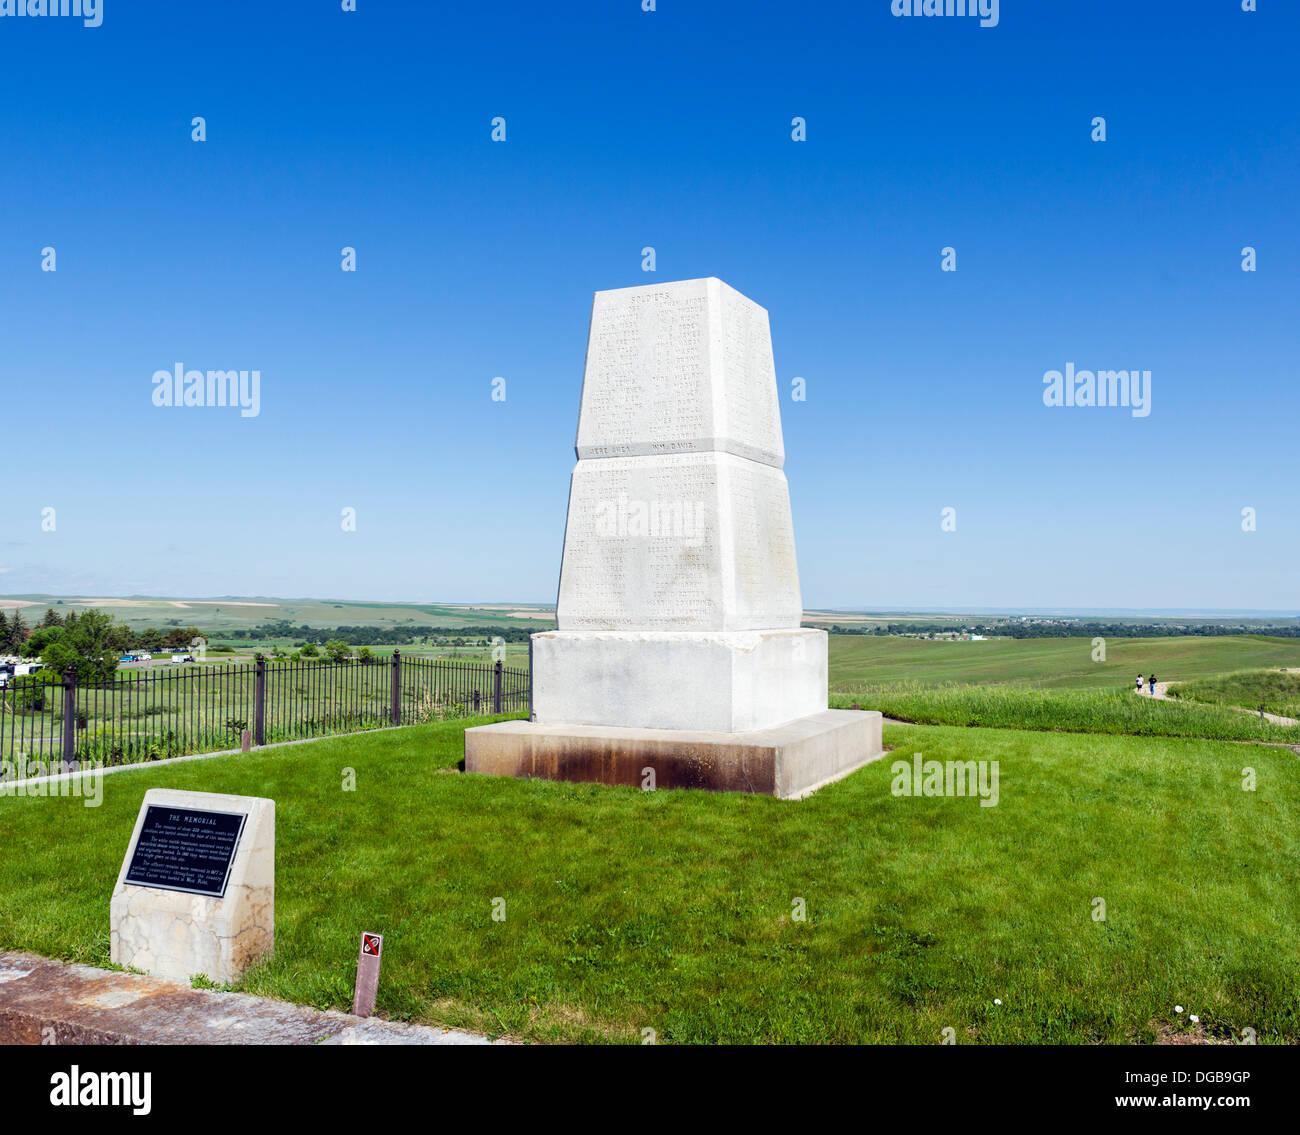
x,y
370,944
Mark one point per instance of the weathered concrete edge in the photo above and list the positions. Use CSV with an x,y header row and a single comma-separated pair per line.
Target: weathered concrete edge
x,y
45,1001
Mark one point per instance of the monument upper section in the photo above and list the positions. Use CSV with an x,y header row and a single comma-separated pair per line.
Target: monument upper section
x,y
683,367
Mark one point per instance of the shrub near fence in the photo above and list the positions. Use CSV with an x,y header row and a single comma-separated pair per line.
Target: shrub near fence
x,y
144,715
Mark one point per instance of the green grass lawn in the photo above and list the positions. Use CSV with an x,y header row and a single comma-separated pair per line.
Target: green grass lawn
x,y
673,910
1277,692
1051,663
1063,711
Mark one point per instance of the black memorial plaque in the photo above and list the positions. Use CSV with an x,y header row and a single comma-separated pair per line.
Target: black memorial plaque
x,y
185,849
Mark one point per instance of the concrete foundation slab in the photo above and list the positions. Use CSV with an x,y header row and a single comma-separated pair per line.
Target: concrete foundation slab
x,y
48,1002
788,761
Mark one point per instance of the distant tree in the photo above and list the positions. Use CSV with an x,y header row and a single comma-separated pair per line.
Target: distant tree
x,y
16,634
336,650
309,650
39,639
51,618
120,637
87,647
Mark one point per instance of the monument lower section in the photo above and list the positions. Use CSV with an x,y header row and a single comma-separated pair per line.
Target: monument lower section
x,y
716,681
787,761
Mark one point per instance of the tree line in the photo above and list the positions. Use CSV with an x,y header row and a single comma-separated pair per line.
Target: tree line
x,y
28,642
89,643
92,642
373,636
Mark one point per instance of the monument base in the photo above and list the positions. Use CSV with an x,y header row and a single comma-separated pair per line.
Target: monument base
x,y
716,681
788,761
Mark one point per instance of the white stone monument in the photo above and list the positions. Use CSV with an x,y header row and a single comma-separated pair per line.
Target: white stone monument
x,y
678,645
196,892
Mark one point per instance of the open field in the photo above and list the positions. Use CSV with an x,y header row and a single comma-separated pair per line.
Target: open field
x,y
673,910
1051,663
1053,684
217,617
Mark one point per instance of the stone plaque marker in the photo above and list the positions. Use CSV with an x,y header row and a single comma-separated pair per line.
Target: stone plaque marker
x,y
196,892
678,644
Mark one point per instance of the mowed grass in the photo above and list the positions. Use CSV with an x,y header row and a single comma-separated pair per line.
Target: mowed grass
x,y
675,911
1053,663
1277,692
1063,711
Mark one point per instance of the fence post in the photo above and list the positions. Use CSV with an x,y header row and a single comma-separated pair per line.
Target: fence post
x,y
259,703
395,711
496,688
69,715
531,715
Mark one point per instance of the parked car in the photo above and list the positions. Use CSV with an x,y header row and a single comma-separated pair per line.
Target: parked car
x,y
128,658
177,659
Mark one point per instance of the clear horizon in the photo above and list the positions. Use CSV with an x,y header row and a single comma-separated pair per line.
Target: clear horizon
x,y
1121,612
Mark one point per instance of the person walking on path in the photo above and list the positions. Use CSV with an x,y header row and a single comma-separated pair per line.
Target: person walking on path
x,y
1153,685
1139,689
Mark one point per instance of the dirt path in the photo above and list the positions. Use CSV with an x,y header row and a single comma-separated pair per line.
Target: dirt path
x,y
1162,694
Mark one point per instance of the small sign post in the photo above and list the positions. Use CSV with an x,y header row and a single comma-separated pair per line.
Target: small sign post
x,y
363,1001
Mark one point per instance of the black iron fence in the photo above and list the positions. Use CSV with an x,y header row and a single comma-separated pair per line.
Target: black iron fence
x,y
146,715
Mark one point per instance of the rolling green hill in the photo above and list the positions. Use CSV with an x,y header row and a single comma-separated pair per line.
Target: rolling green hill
x,y
1277,692
221,616
1057,663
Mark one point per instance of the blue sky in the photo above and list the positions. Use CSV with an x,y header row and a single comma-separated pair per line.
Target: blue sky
x,y
672,129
